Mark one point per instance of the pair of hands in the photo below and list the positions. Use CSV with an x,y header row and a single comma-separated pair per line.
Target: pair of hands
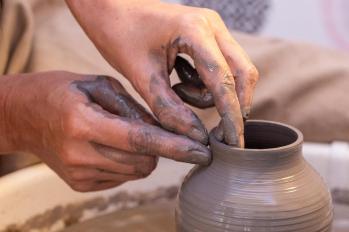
x,y
91,132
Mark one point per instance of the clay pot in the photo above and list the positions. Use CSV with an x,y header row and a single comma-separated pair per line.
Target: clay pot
x,y
268,186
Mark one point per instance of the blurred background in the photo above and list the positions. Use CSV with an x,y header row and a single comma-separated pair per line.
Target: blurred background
x,y
35,199
323,22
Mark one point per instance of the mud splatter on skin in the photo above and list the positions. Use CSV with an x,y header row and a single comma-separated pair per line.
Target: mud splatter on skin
x,y
143,140
112,97
108,94
224,95
143,165
245,110
162,107
229,129
182,45
109,98
228,80
120,157
185,46
167,105
211,67
193,91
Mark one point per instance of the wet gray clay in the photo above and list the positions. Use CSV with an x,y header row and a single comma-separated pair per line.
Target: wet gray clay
x,y
266,187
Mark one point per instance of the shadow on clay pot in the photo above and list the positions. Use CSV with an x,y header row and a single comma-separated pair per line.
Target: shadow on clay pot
x,y
266,187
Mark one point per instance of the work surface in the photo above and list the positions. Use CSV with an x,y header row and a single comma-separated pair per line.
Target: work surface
x,y
160,217
39,192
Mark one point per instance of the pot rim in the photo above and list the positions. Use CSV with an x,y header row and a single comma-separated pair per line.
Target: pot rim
x,y
283,149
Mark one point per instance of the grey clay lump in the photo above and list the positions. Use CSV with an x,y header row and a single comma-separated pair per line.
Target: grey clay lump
x,y
266,187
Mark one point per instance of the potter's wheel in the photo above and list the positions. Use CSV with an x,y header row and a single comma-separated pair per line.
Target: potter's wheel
x,y
159,217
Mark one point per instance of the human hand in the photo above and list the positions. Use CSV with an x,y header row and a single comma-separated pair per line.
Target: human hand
x,y
88,129
142,39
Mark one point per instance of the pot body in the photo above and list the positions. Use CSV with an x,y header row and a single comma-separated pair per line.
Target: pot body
x,y
266,187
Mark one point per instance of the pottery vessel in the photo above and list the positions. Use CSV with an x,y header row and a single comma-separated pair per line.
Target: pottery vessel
x,y
268,186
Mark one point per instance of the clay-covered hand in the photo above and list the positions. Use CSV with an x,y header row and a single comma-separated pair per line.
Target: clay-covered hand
x,y
142,39
88,129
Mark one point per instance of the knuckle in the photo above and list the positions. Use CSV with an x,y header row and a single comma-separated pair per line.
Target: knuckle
x,y
141,140
74,125
253,74
78,176
165,115
194,21
228,79
147,166
212,13
70,159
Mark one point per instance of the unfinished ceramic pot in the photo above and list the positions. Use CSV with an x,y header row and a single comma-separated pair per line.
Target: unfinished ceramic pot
x,y
268,186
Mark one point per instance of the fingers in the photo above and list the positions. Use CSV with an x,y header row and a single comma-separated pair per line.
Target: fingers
x,y
195,96
146,139
192,90
103,185
90,186
245,73
89,169
170,110
85,155
96,175
219,131
112,97
143,164
217,77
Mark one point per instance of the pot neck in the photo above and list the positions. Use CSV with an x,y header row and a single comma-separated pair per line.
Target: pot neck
x,y
267,143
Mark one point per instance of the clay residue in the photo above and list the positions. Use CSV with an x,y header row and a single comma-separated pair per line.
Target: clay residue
x,y
73,213
155,217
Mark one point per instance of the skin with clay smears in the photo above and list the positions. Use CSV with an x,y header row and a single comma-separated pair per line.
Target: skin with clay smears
x,y
112,97
88,129
146,52
92,133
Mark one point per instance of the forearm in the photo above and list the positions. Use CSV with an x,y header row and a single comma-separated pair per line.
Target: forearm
x,y
95,16
88,5
92,13
7,86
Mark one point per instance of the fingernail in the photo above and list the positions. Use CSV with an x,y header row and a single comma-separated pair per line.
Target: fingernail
x,y
199,135
246,113
201,157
